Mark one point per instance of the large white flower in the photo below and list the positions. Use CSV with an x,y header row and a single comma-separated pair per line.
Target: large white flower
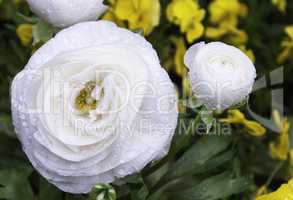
x,y
62,13
220,75
92,105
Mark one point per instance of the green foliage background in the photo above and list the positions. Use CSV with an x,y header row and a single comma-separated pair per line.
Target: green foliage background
x,y
197,167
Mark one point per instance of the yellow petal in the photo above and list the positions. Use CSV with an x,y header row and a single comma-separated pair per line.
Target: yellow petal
x,y
285,192
215,33
188,15
254,128
234,116
110,16
280,4
243,10
284,55
124,9
238,36
195,32
220,10
280,149
179,55
140,14
289,31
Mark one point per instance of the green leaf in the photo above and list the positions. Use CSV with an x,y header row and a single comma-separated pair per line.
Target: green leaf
x,y
216,187
184,133
201,152
139,190
6,125
48,191
11,154
42,32
15,184
103,192
75,197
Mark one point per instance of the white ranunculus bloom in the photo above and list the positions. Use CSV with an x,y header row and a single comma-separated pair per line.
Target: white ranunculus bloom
x,y
63,13
92,105
220,75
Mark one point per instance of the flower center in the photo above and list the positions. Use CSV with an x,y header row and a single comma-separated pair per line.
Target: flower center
x,y
222,62
85,101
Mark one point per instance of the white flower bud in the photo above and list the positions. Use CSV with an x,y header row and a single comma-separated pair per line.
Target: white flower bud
x,y
220,75
63,13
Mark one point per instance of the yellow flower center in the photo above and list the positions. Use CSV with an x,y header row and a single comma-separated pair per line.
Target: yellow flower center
x,y
84,101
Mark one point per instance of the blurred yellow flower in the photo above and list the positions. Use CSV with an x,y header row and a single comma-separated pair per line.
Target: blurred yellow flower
x,y
285,192
25,34
224,16
229,31
287,45
280,149
140,14
179,55
188,15
248,52
237,117
180,68
280,4
226,11
110,16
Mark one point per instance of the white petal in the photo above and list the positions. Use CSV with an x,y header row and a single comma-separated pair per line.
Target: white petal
x,y
191,53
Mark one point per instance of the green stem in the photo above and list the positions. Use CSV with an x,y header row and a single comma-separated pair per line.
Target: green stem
x,y
275,171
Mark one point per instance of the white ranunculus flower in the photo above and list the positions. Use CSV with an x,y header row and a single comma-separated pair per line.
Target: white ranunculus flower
x,y
92,105
63,13
220,75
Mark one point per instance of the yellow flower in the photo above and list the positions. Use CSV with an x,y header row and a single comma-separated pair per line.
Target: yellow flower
x,y
180,68
285,192
179,55
140,14
280,149
287,45
224,16
237,117
226,10
280,4
231,33
110,16
25,34
188,15
248,52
